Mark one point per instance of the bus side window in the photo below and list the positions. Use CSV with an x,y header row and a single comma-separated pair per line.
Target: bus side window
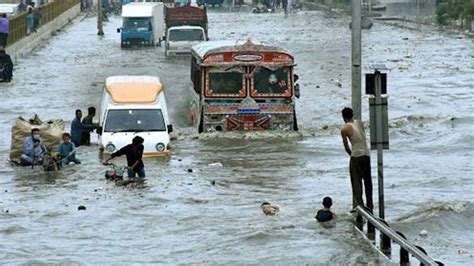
x,y
196,76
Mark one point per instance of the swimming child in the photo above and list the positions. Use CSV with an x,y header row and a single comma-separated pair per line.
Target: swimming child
x,y
269,209
325,214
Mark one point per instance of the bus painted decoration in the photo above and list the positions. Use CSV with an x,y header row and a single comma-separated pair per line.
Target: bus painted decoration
x,y
247,123
247,57
242,86
248,106
268,57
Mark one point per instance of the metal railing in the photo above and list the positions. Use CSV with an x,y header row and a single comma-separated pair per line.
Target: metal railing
x,y
50,11
388,235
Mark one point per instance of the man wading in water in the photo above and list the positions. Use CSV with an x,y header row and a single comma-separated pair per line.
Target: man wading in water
x,y
134,154
360,161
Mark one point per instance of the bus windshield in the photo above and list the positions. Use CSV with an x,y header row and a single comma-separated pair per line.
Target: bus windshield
x,y
136,24
134,120
228,83
268,81
180,35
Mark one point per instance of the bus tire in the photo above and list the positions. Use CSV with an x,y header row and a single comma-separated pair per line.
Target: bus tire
x,y
295,122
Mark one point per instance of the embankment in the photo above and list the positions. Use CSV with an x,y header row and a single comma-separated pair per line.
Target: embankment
x,y
29,43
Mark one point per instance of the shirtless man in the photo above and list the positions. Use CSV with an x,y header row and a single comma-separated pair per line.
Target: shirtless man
x,y
359,165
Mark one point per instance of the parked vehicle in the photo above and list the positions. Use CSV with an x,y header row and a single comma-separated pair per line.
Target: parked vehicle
x,y
169,3
242,86
185,27
180,39
134,106
10,9
181,3
210,2
143,24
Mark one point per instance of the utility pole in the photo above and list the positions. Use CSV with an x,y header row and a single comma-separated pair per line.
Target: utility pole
x,y
356,58
380,140
100,19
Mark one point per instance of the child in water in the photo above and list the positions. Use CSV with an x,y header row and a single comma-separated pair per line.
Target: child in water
x,y
325,214
67,150
269,209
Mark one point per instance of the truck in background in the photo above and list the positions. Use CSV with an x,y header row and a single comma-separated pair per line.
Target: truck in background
x,y
186,26
143,24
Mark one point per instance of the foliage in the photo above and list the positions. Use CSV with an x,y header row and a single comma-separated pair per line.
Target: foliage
x,y
455,10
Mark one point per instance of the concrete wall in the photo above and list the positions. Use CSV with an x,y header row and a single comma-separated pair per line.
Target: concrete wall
x,y
26,45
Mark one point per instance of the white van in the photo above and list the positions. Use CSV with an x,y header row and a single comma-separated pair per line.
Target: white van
x,y
180,39
134,106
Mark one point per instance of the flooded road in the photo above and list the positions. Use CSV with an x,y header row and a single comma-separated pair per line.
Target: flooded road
x,y
180,217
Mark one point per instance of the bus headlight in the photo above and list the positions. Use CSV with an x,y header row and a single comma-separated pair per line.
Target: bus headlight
x,y
160,147
110,148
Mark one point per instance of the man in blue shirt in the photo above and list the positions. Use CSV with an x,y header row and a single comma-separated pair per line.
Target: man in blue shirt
x,y
67,150
78,129
33,149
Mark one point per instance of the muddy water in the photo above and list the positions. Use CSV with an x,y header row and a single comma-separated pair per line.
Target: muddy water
x,y
180,217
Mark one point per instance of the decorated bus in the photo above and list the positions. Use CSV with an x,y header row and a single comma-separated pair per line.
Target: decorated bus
x,y
242,86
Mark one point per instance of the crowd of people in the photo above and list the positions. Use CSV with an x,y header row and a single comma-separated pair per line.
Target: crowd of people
x,y
33,18
107,6
352,132
34,150
33,21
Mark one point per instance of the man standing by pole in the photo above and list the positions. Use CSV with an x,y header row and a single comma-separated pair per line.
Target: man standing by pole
x,y
359,165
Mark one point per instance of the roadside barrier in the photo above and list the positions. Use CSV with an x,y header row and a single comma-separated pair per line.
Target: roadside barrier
x,y
49,12
388,235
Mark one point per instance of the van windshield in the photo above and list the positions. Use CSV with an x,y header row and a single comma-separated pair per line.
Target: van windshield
x,y
134,120
137,24
180,35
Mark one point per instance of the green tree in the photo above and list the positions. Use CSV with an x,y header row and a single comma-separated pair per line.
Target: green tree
x,y
456,11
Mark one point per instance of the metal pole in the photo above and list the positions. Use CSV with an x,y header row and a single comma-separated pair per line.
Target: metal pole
x,y
378,117
356,58
100,19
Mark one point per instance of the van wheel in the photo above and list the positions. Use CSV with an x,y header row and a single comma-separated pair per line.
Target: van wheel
x,y
295,122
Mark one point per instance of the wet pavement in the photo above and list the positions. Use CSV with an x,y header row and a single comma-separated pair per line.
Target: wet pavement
x,y
181,217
